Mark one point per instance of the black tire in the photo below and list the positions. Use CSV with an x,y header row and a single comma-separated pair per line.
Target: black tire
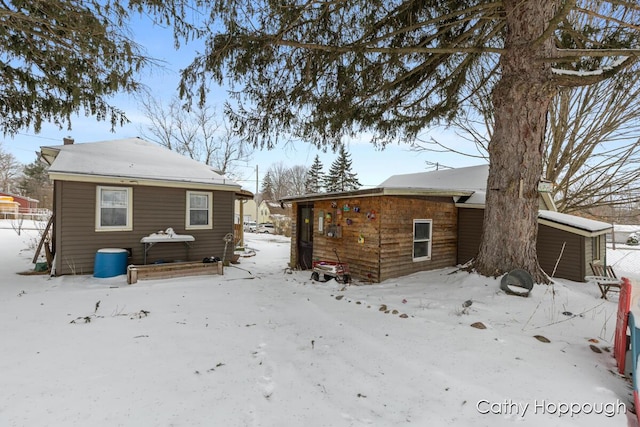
x,y
345,278
327,277
315,276
517,282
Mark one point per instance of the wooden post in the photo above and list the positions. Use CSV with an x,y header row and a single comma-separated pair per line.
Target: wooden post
x,y
132,275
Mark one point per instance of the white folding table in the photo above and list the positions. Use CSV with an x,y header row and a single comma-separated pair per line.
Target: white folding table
x,y
149,241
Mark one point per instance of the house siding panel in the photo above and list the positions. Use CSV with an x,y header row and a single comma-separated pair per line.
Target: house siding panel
x,y
570,260
549,246
469,233
154,209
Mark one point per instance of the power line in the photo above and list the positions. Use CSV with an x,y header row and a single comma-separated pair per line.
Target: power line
x,y
38,136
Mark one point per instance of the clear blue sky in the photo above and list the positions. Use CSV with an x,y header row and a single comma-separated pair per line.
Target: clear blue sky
x,y
371,166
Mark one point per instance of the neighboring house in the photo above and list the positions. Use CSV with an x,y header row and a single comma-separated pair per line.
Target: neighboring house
x,y
113,193
9,208
426,221
269,210
276,213
26,205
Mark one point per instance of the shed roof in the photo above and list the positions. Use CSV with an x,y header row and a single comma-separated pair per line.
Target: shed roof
x,y
449,182
588,226
468,187
17,196
131,160
471,178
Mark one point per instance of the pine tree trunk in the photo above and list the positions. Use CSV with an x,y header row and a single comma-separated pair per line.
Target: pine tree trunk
x,y
521,100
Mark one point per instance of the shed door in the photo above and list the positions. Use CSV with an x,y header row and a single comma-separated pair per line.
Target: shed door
x,y
305,236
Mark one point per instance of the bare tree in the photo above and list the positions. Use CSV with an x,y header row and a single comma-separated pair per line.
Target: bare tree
x,y
280,181
297,179
232,150
592,143
199,134
280,176
593,149
10,170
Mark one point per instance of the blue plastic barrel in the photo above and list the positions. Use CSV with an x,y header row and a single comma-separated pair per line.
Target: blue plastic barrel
x,y
110,262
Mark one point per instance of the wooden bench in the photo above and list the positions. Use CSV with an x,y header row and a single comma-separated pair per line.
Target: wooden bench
x,y
171,270
605,278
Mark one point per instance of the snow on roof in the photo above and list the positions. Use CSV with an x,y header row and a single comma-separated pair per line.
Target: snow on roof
x,y
472,178
574,221
132,158
272,204
477,198
17,196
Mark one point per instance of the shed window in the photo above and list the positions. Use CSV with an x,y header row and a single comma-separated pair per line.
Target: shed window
x,y
199,211
114,206
422,239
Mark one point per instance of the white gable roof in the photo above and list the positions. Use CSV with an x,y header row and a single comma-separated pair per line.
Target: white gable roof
x,y
472,178
127,160
573,221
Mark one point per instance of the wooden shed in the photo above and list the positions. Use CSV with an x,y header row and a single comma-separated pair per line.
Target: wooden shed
x,y
112,194
426,221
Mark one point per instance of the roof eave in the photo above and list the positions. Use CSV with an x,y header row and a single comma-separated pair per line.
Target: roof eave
x,y
48,154
573,229
377,191
244,195
132,180
470,205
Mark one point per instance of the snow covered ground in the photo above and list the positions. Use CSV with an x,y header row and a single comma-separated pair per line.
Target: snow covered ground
x,y
264,346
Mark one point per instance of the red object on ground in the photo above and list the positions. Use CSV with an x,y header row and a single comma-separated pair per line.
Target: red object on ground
x,y
622,321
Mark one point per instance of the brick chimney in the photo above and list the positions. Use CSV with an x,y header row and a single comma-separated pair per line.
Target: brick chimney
x,y
67,140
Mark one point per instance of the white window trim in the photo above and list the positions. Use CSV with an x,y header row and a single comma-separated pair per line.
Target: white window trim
x,y
187,218
429,240
129,225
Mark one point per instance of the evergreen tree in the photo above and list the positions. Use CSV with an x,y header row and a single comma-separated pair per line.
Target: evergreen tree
x,y
340,177
267,190
35,183
61,57
315,177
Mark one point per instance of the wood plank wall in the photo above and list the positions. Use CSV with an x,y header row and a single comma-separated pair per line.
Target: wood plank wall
x,y
378,242
362,257
396,258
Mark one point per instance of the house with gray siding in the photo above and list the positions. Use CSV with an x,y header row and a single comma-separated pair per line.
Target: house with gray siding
x,y
111,194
